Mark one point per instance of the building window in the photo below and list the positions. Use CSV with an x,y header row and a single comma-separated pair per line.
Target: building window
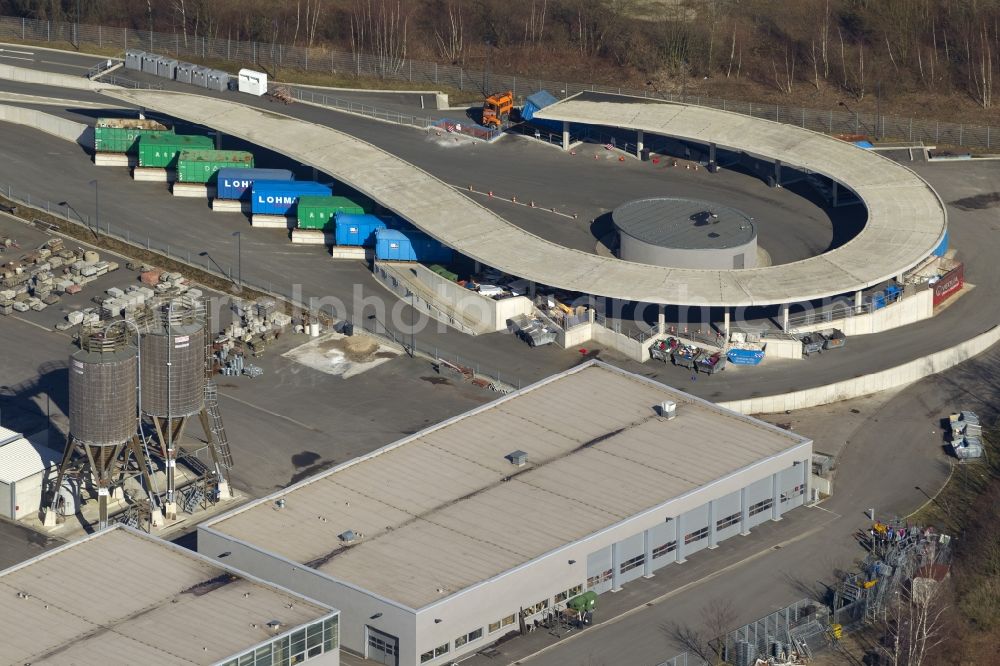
x,y
728,521
509,620
761,507
460,641
794,492
665,549
568,594
537,608
331,633
475,635
633,563
593,581
426,656
441,649
297,653
494,627
696,536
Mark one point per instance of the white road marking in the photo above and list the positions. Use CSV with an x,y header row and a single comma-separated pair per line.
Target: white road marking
x,y
17,52
16,58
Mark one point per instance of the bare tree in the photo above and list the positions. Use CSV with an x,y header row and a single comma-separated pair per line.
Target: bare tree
x,y
981,69
717,617
914,623
378,27
785,79
180,9
451,39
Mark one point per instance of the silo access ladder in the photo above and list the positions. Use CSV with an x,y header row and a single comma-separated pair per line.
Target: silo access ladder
x,y
221,442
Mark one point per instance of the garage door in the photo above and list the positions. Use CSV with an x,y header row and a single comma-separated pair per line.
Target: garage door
x,y
382,648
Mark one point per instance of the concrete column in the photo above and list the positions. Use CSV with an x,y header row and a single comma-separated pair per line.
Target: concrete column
x,y
859,296
661,320
640,136
744,512
679,539
712,518
807,480
776,496
531,289
565,135
218,140
476,266
711,158
315,173
777,173
836,192
725,324
784,317
647,547
616,565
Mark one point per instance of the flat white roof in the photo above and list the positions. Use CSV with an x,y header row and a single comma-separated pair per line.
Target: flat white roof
x,y
444,509
134,599
906,218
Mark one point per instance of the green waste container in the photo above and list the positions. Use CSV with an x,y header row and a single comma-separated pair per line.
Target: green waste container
x,y
319,212
583,602
121,135
202,166
161,151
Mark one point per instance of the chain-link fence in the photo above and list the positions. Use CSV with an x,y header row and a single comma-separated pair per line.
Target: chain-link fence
x,y
422,74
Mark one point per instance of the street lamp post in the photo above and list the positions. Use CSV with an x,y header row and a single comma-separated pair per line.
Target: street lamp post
x,y
97,204
239,257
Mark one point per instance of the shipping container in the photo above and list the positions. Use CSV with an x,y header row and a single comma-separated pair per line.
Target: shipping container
x,y
280,197
161,151
396,245
133,59
202,166
121,135
318,212
357,230
236,184
184,71
166,68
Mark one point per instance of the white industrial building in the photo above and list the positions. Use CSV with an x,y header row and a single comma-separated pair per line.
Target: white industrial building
x,y
121,596
441,543
25,465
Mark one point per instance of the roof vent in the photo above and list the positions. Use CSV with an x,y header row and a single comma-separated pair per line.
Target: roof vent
x,y
518,458
350,536
667,409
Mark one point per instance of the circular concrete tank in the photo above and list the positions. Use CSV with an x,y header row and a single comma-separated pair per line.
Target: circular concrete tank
x,y
685,233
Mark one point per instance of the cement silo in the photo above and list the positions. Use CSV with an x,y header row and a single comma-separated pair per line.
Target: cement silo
x,y
103,447
172,349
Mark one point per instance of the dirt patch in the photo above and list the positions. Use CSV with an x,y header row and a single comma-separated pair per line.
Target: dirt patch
x,y
337,354
978,202
357,348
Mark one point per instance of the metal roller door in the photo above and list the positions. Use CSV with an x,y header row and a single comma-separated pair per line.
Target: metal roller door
x,y
382,648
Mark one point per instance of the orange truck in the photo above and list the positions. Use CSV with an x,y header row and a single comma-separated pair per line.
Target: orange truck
x,y
497,109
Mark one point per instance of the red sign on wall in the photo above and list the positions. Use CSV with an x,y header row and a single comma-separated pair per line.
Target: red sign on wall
x,y
950,283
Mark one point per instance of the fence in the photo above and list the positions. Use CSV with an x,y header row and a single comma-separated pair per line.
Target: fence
x,y
800,627
469,129
293,294
420,72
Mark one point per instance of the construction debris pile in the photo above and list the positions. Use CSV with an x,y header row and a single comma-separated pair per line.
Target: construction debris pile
x,y
37,279
256,325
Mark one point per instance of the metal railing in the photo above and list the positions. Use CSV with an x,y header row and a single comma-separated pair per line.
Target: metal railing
x,y
295,295
367,110
423,73
468,129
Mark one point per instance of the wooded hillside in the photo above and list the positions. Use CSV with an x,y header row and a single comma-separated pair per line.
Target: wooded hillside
x,y
855,47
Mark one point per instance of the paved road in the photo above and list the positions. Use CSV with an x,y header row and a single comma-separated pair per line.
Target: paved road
x,y
61,62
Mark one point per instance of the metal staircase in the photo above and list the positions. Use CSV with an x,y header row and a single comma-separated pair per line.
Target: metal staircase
x,y
220,441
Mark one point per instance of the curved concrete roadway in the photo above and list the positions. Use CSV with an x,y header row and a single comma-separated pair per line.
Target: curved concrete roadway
x,y
906,218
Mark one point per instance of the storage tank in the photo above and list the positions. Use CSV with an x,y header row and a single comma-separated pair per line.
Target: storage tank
x,y
102,388
685,233
175,334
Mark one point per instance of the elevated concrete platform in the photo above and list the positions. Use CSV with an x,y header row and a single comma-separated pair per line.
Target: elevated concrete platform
x,y
906,218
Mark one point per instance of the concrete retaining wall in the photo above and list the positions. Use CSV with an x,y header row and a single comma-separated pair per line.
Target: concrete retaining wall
x,y
878,381
782,348
60,127
633,349
22,75
909,310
